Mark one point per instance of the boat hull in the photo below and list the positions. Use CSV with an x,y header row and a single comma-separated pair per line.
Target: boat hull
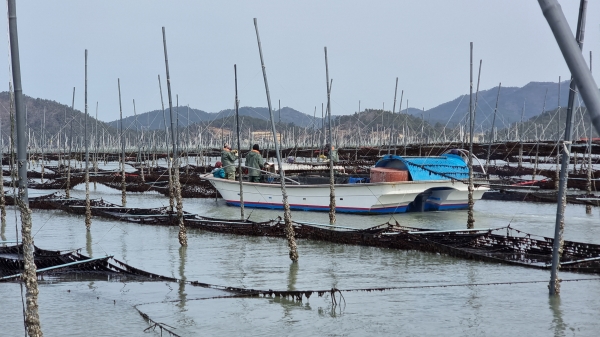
x,y
375,198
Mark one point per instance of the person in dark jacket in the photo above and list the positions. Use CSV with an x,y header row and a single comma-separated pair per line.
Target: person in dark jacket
x,y
254,163
228,158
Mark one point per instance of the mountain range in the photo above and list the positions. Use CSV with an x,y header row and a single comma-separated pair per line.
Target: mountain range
x,y
514,104
530,100
154,120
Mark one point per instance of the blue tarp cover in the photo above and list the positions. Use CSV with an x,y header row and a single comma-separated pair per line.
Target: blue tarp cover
x,y
444,167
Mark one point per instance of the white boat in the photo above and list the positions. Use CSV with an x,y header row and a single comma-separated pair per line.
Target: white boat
x,y
430,184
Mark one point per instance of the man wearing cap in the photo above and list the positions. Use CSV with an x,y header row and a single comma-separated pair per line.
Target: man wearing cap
x,y
228,158
254,162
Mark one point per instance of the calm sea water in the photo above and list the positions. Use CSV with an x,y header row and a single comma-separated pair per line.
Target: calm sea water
x,y
97,307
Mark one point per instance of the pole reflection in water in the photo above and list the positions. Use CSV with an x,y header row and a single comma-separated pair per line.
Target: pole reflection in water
x,y
473,322
88,243
292,276
88,250
557,316
181,290
3,231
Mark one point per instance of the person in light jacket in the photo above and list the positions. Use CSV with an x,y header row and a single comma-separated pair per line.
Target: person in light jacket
x,y
254,163
228,158
334,153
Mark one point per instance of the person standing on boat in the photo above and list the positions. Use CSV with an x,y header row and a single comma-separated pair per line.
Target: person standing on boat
x,y
334,153
254,163
228,158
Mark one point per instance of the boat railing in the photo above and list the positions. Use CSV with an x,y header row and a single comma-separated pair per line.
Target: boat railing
x,y
467,154
263,171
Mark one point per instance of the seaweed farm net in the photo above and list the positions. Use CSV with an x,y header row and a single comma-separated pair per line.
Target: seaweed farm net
x,y
500,245
56,263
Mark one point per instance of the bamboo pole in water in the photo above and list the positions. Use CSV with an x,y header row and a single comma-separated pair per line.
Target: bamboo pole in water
x,y
122,140
2,197
588,208
139,156
557,246
68,185
537,144
287,215
471,202
171,195
88,209
177,186
97,145
330,149
492,138
557,175
32,318
42,136
392,123
237,123
520,164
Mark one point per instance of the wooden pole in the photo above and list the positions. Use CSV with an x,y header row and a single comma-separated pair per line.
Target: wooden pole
x,y
330,149
122,141
237,123
88,209
557,246
32,318
287,215
182,236
471,202
68,185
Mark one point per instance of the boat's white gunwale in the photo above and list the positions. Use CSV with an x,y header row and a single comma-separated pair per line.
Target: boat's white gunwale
x,y
288,185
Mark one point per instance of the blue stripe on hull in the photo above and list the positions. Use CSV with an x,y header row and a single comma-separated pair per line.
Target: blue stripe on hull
x,y
448,207
386,210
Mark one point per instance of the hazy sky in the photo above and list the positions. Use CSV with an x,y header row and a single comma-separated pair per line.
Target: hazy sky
x,y
370,43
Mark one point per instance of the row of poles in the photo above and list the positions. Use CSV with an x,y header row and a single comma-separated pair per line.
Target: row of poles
x,y
208,135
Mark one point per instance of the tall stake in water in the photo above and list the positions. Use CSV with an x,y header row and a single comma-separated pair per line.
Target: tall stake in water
x,y
68,185
399,111
122,139
331,175
492,138
2,197
237,123
557,175
588,208
177,186
97,145
521,137
139,156
557,247
43,141
287,215
392,123
32,318
470,217
537,143
171,194
88,209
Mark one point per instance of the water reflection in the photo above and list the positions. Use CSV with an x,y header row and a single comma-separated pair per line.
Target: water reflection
x,y
292,275
473,322
289,303
558,324
88,249
88,242
3,231
181,290
124,248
